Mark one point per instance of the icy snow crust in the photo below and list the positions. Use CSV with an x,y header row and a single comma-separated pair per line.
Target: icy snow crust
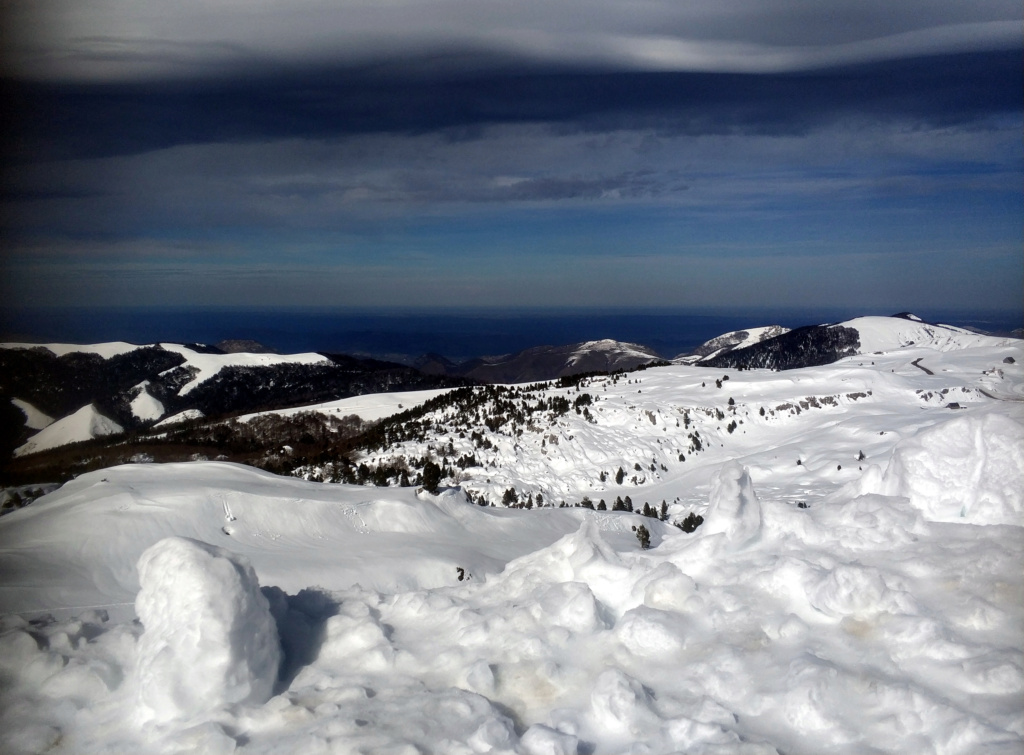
x,y
884,613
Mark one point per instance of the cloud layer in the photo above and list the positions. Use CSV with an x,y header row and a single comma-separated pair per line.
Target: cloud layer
x,y
483,153
130,39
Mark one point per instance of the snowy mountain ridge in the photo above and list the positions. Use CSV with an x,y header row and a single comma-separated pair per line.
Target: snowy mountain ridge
x,y
815,345
736,339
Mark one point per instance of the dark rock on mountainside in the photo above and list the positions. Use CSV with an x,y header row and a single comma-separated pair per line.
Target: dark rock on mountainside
x,y
809,346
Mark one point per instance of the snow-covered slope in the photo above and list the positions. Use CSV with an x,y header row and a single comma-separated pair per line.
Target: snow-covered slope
x,y
85,424
617,354
890,333
736,339
868,599
817,345
369,408
104,350
144,405
34,419
206,366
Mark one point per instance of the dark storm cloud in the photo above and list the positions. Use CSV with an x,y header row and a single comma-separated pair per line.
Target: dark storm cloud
x,y
87,120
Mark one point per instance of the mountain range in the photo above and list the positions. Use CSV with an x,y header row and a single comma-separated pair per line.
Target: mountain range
x,y
53,395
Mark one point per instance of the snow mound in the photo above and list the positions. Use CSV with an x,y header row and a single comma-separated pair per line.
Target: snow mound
x,y
968,468
733,508
209,639
34,419
85,424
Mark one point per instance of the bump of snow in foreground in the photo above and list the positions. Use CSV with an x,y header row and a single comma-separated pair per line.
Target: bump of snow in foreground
x,y
85,424
209,638
969,468
734,510
34,419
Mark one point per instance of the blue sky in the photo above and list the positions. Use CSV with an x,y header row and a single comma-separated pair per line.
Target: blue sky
x,y
465,153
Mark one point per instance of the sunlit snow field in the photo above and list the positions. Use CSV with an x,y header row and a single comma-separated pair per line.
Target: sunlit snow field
x,y
843,604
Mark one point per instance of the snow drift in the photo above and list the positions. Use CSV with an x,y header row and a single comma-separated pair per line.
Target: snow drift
x,y
969,468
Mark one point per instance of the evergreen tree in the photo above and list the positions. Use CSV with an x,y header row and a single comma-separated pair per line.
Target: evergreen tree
x,y
431,477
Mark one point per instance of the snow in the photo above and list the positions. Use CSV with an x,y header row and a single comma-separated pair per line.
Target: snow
x,y
735,339
884,613
733,508
969,468
34,419
85,424
184,416
617,351
105,350
208,365
369,408
145,406
209,640
890,333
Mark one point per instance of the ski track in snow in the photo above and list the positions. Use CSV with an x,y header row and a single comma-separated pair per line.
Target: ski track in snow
x,y
871,609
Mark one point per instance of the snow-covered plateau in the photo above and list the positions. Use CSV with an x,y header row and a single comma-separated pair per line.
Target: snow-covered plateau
x,y
856,586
